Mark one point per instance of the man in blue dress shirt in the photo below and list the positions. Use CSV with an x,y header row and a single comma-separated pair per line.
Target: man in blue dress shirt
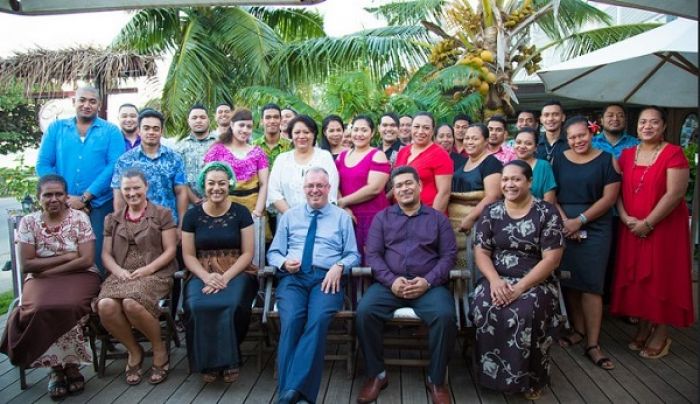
x,y
313,246
613,138
83,150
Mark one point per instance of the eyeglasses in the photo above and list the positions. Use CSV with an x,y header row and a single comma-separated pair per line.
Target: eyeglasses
x,y
315,186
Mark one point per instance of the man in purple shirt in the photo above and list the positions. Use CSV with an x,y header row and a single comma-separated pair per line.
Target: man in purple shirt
x,y
411,249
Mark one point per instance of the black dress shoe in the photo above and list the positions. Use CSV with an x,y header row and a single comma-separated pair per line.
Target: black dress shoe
x,y
289,397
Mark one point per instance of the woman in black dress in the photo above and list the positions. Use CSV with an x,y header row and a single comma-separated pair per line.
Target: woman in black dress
x,y
588,184
332,129
218,242
519,243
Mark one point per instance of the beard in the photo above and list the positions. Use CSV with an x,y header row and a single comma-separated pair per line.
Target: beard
x,y
614,132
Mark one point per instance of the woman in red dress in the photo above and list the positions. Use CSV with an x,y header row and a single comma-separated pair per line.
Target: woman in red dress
x,y
653,268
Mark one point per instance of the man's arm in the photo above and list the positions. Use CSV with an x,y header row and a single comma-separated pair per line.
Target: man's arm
x,y
277,253
46,160
115,148
447,246
350,256
375,249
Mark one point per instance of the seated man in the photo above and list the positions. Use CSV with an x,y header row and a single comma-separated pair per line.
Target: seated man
x,y
411,249
313,244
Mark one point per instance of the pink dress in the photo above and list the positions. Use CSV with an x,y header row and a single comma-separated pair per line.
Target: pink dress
x,y
245,168
354,178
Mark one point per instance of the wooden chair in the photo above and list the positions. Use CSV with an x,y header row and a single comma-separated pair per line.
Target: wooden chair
x,y
18,282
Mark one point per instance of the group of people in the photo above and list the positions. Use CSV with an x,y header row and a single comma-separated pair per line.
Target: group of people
x,y
117,202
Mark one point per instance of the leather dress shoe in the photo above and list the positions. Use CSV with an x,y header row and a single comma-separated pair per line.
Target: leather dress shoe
x,y
289,397
439,393
370,390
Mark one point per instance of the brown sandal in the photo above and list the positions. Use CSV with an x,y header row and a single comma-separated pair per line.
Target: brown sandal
x,y
159,373
656,353
603,361
76,381
133,373
209,377
58,388
231,375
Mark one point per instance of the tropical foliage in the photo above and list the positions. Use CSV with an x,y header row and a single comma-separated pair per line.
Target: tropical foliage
x,y
18,120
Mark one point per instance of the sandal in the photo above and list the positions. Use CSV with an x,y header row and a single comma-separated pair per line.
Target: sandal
x,y
603,361
133,373
650,353
76,381
533,394
231,375
58,388
209,377
639,343
159,373
568,340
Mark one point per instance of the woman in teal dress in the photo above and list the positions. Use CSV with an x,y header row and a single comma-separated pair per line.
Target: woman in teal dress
x,y
544,186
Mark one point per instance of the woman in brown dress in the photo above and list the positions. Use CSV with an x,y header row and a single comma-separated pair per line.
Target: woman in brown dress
x,y
57,249
139,253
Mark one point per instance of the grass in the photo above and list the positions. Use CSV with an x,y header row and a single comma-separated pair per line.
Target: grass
x,y
5,300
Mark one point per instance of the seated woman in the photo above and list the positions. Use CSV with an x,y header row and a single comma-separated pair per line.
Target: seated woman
x,y
57,248
519,243
139,247
218,240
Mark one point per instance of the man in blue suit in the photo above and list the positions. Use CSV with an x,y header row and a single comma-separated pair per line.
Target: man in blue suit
x,y
313,246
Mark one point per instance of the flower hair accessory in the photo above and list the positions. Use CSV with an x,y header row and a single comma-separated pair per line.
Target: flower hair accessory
x,y
593,127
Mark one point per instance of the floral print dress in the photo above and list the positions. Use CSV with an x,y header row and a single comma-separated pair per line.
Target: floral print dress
x,y
512,342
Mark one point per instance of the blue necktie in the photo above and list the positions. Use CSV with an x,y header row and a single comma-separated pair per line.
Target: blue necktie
x,y
307,257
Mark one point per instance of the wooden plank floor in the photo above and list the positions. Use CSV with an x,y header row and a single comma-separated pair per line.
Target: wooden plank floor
x,y
673,379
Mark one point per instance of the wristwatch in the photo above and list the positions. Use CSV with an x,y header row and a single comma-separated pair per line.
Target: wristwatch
x,y
340,264
84,199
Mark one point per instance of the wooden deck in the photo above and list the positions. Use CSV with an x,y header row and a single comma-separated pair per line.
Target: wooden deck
x,y
673,379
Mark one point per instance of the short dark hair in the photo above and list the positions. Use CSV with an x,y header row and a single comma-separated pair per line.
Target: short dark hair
x,y
366,118
553,102
664,116
526,111
45,179
223,103
452,131
128,105
403,170
331,118
574,120
151,113
500,119
240,114
391,115
406,116
306,120
425,113
531,131
134,172
270,106
482,128
462,117
288,108
198,106
613,104
524,167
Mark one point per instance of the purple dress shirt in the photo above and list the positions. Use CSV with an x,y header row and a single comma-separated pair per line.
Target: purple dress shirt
x,y
421,245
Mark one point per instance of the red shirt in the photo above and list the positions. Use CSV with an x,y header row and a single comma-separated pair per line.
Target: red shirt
x,y
430,163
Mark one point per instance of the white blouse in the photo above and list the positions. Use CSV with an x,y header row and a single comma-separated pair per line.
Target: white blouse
x,y
287,178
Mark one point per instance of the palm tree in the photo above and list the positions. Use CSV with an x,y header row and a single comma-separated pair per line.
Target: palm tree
x,y
218,51
481,49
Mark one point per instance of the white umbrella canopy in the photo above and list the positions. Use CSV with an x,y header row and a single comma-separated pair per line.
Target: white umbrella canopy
x,y
682,8
657,67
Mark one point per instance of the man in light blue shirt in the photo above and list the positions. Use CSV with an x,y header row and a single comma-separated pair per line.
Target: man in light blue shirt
x,y
83,150
613,138
313,246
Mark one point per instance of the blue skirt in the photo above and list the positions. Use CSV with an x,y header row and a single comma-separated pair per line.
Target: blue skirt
x,y
216,324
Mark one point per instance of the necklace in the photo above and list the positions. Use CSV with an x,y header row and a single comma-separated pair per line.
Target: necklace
x,y
127,215
647,167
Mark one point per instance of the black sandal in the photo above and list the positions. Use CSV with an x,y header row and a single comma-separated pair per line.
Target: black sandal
x,y
58,388
567,340
603,362
76,381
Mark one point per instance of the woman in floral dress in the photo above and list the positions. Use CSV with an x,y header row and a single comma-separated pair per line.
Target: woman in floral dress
x,y
519,243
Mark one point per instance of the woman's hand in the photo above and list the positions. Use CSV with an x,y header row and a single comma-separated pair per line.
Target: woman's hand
x,y
352,215
467,224
122,274
208,290
571,226
215,280
639,228
140,273
257,213
500,292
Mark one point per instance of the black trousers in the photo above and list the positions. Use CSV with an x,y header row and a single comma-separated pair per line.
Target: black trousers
x,y
435,308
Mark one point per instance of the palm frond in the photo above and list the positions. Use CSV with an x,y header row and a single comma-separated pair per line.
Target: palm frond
x,y
291,24
584,42
572,15
410,12
151,31
254,96
351,93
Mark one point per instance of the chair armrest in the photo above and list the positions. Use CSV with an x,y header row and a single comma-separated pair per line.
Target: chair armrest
x,y
359,272
181,274
267,271
459,273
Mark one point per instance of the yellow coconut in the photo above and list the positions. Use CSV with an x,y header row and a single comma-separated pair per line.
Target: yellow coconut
x,y
484,88
486,56
477,61
491,77
474,82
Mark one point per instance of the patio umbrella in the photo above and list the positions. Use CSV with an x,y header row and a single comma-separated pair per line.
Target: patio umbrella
x,y
681,8
657,67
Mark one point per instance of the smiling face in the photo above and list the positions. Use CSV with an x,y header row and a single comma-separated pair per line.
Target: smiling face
x,y
134,191
334,133
497,133
444,138
614,120
422,131
514,185
52,197
579,137
271,121
406,190
552,118
223,115
151,131
525,146
405,129
128,119
347,137
302,137
287,115
242,130
526,120
216,185
86,103
474,142
316,189
461,127
198,121
651,126
361,134
388,129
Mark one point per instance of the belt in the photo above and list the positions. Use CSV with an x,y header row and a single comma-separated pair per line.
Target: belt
x,y
244,192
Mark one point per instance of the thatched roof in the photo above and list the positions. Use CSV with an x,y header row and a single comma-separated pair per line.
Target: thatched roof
x,y
42,69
